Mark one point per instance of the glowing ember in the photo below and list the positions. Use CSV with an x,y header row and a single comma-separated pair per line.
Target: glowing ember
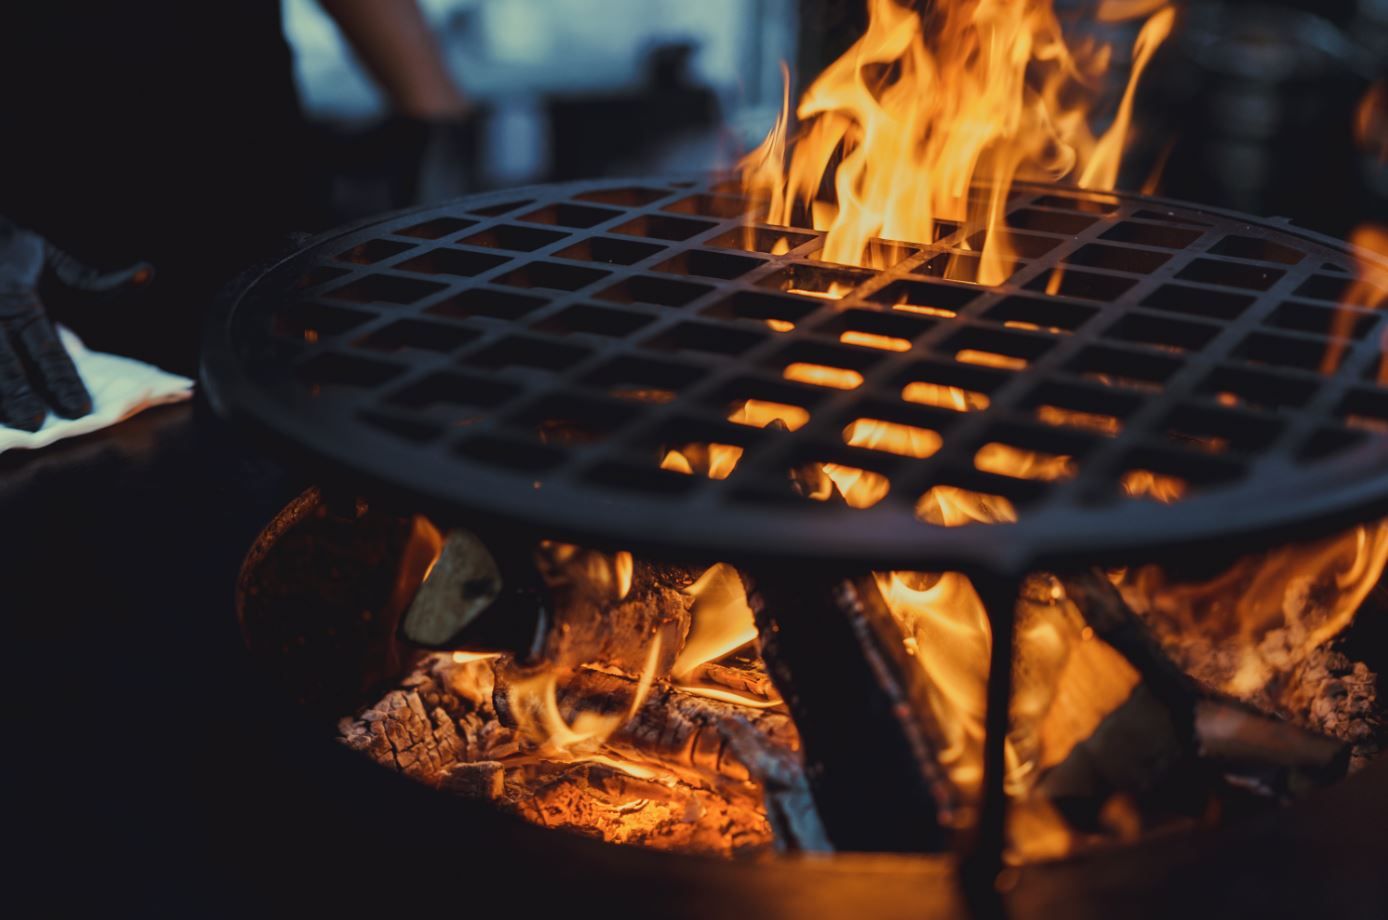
x,y
1253,623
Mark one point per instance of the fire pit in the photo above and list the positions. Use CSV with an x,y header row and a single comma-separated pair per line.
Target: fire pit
x,y
637,368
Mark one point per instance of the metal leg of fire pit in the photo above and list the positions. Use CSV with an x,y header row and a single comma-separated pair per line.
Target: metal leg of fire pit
x,y
981,858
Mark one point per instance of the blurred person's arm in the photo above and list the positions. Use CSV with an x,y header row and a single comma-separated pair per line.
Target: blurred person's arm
x,y
397,46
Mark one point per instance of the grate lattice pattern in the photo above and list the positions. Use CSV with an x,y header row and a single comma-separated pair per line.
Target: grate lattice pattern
x,y
536,356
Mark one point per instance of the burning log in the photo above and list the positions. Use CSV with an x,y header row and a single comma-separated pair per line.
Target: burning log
x,y
606,802
670,725
869,749
609,608
694,764
751,680
730,742
464,591
566,605
432,722
1173,737
1337,696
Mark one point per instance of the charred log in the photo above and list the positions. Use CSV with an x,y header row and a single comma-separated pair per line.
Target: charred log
x,y
601,801
564,605
734,744
436,719
441,727
606,622
472,597
1333,694
1174,738
751,680
321,592
671,725
869,749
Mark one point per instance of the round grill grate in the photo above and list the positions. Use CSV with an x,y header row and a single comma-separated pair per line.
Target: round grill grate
x,y
534,357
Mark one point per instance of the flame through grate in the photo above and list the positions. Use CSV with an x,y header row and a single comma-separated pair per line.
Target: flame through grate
x,y
631,362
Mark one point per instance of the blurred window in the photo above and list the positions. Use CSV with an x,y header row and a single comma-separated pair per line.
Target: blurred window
x,y
517,48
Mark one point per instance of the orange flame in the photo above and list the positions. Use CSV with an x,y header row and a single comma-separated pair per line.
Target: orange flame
x,y
716,461
1250,625
948,632
924,121
721,623
893,438
758,413
535,703
1006,460
943,397
1371,122
1369,290
821,375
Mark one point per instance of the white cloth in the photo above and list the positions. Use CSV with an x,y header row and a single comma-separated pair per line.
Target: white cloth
x,y
120,388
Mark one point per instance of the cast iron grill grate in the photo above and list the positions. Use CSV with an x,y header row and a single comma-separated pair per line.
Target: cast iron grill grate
x,y
533,356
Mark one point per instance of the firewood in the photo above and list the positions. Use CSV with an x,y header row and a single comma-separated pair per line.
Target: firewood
x,y
749,681
712,737
1174,734
1114,621
613,625
463,583
790,805
673,726
602,801
564,605
438,717
859,700
1136,750
440,727
400,733
483,779
320,594
1337,696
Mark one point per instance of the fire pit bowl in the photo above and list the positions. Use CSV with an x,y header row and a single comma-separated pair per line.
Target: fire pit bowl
x,y
643,365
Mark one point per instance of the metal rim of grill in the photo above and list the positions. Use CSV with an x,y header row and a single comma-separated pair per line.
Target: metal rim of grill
x,y
479,359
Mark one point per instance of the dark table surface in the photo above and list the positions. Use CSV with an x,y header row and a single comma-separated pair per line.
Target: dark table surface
x,y
153,769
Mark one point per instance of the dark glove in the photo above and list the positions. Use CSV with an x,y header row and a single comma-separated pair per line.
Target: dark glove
x,y
36,373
